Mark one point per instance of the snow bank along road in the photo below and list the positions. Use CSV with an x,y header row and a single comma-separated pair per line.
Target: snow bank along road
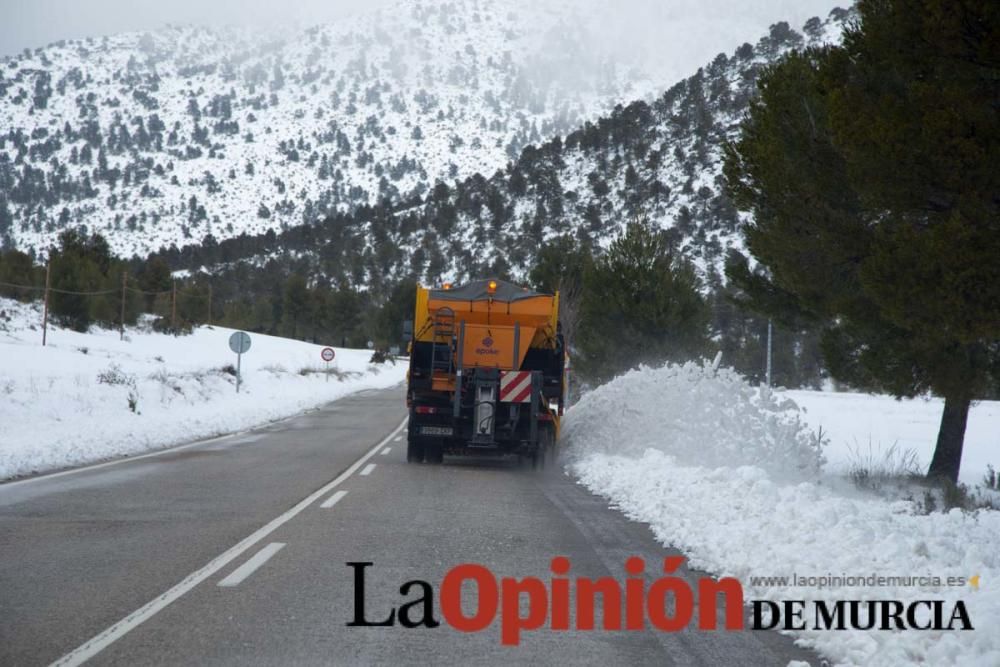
x,y
234,551
88,397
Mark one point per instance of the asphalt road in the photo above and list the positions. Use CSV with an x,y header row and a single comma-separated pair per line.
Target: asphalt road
x,y
235,551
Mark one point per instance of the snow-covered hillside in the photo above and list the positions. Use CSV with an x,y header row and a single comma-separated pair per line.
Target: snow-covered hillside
x,y
88,397
734,478
170,135
167,136
660,159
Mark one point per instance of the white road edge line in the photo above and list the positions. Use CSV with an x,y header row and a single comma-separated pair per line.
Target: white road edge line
x,y
386,451
98,643
237,576
124,459
333,500
368,470
170,449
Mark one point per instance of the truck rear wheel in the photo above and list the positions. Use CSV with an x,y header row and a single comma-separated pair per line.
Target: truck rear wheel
x,y
538,458
414,450
546,452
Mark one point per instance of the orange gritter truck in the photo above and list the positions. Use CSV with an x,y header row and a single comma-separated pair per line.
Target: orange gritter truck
x,y
486,374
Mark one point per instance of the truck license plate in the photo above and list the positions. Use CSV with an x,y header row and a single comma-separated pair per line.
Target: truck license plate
x,y
435,430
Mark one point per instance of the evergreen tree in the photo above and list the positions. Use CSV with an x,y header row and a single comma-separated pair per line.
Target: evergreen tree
x,y
80,264
155,276
296,305
17,268
400,306
561,265
641,304
346,312
871,170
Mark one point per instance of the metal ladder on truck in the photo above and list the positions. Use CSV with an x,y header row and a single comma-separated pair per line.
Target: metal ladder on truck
x,y
443,342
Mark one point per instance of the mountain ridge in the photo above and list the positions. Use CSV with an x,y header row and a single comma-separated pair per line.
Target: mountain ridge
x,y
159,137
660,160
163,137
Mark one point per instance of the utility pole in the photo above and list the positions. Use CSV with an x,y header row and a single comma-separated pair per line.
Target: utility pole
x,y
45,306
173,308
124,285
769,336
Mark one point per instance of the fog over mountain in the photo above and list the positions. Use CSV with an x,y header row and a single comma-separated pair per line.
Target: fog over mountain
x,y
164,136
41,22
648,29
660,160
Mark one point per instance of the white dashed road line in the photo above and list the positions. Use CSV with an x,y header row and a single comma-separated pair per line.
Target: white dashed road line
x,y
333,500
398,438
243,571
368,470
386,451
98,643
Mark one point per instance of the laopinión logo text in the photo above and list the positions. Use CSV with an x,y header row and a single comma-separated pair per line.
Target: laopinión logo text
x,y
629,605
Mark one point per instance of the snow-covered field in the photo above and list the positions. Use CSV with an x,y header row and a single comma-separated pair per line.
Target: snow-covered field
x,y
735,479
859,423
68,403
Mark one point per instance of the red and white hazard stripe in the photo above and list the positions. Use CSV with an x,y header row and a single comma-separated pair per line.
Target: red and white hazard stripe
x,y
515,386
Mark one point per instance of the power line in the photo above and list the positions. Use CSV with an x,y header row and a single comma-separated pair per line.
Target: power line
x,y
65,291
196,295
48,289
60,291
139,291
2,284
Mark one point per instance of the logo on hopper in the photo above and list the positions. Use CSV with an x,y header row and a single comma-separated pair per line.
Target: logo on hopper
x,y
487,347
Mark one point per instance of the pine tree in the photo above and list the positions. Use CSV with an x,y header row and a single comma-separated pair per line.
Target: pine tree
x,y
561,266
641,304
296,305
79,264
154,277
398,307
871,170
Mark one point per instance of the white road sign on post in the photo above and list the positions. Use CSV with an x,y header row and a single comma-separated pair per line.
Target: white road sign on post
x,y
239,343
328,354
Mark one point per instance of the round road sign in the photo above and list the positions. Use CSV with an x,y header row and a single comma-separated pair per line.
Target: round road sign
x,y
328,354
239,342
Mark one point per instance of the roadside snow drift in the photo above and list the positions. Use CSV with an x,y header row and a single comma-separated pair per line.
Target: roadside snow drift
x,y
733,478
698,416
88,397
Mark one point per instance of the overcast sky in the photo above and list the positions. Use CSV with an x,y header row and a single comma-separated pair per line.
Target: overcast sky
x,y
31,23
